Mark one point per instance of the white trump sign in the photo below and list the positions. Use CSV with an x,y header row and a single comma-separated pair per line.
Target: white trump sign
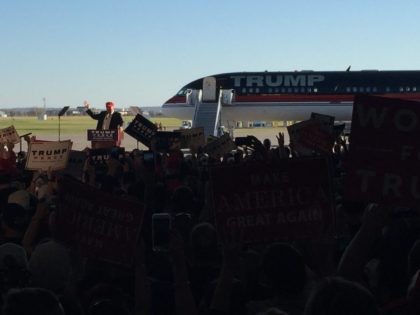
x,y
43,155
9,134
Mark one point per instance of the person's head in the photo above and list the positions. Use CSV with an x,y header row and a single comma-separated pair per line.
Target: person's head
x,y
14,219
338,296
13,267
182,200
204,242
103,299
284,268
267,144
32,301
50,266
109,107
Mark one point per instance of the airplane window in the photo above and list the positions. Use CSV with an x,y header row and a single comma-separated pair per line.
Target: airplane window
x,y
251,90
296,90
348,89
315,90
277,90
289,90
302,90
270,90
368,89
388,89
414,89
257,90
309,90
407,89
401,89
375,89
244,90
354,89
361,89
283,90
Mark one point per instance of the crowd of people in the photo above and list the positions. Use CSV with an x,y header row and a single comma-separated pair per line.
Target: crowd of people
x,y
370,266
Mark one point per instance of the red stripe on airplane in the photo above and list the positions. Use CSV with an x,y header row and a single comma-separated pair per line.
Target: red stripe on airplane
x,y
269,98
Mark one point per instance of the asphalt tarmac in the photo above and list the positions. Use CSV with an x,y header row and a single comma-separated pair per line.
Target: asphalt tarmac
x,y
80,142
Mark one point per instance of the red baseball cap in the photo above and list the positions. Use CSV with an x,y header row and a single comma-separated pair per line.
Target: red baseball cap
x,y
109,104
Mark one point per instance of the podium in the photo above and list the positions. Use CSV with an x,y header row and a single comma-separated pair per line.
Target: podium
x,y
104,138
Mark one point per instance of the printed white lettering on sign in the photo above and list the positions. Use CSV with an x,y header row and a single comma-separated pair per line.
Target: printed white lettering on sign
x,y
276,80
404,120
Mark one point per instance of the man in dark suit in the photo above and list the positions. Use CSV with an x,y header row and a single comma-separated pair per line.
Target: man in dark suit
x,y
108,120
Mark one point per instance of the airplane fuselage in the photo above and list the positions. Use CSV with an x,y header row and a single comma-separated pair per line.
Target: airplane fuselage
x,y
274,96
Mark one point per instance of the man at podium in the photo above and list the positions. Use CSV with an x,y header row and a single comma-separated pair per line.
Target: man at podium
x,y
108,120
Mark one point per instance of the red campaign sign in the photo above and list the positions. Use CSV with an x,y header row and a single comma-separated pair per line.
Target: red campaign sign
x,y
96,224
383,160
287,200
316,138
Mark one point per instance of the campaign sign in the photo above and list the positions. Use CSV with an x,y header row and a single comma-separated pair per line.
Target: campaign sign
x,y
9,134
295,132
287,200
326,121
75,164
220,146
384,151
142,130
311,135
102,135
96,224
192,138
49,154
100,156
165,141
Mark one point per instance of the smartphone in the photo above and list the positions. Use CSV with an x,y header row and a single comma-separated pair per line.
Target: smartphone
x,y
161,227
149,158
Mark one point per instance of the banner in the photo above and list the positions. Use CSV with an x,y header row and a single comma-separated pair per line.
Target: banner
x,y
102,135
384,151
220,146
43,155
192,138
142,130
96,224
287,200
9,134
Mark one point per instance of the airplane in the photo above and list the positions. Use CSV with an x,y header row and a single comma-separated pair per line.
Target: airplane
x,y
293,96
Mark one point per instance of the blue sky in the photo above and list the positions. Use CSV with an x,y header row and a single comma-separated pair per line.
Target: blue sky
x,y
140,53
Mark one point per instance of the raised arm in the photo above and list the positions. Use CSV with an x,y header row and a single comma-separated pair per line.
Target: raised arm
x,y
89,112
357,252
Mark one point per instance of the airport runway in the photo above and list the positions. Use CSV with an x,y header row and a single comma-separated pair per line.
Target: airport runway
x,y
80,142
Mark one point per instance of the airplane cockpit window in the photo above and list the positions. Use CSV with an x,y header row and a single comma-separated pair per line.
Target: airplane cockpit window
x,y
182,92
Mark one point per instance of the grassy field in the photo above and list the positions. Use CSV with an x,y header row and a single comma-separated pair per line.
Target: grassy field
x,y
69,124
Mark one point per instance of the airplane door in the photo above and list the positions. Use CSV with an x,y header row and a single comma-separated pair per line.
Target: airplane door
x,y
209,89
